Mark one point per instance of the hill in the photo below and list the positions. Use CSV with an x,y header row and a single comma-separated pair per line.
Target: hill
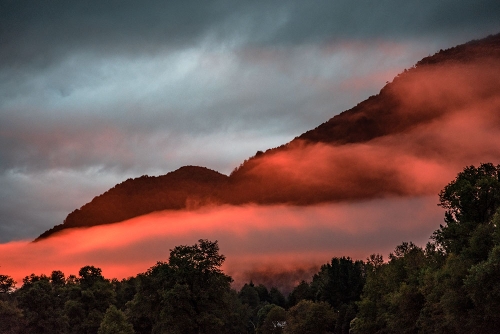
x,y
187,187
408,140
378,116
423,127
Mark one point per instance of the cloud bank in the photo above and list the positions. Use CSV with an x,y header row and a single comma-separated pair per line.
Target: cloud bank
x,y
258,241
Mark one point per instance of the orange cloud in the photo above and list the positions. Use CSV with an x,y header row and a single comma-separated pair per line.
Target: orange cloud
x,y
253,238
411,140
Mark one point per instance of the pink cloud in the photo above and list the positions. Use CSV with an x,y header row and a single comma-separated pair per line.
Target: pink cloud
x,y
253,238
427,126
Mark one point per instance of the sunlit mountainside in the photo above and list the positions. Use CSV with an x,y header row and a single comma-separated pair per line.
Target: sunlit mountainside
x,y
409,140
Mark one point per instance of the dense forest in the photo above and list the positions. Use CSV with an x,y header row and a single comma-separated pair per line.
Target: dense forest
x,y
449,286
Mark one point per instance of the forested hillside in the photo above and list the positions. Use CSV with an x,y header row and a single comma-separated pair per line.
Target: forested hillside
x,y
187,187
369,151
449,286
381,114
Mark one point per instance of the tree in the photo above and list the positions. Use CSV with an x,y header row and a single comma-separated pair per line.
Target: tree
x,y
470,201
11,319
7,284
300,292
57,278
272,319
276,297
339,282
125,291
249,295
263,293
90,275
308,317
374,261
392,300
189,294
484,289
195,302
89,296
42,306
115,322
202,257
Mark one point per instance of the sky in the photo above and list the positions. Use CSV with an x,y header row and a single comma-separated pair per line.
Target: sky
x,y
93,93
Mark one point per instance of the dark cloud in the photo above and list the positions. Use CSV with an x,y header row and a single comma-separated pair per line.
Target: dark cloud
x,y
33,31
136,114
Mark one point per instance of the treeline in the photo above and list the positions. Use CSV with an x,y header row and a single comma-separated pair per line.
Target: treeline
x,y
187,294
452,285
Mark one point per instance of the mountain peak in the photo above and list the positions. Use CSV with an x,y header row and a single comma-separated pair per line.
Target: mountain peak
x,y
375,116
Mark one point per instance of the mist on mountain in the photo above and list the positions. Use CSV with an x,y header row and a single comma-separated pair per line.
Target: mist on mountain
x,y
408,140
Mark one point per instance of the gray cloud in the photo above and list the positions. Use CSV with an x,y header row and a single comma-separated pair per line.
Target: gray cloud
x,y
131,113
39,32
32,202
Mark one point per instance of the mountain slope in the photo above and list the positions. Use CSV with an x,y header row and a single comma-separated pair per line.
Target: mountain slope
x,y
376,116
187,187
424,126
409,140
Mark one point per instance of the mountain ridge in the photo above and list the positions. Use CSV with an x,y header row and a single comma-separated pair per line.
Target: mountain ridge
x,y
260,179
146,194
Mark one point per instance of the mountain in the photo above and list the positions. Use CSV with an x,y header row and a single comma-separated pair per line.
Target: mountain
x,y
187,187
434,118
408,140
377,116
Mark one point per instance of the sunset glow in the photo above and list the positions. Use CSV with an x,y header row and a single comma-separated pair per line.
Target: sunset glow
x,y
254,239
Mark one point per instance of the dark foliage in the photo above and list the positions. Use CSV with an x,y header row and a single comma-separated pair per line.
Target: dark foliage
x,y
452,285
470,201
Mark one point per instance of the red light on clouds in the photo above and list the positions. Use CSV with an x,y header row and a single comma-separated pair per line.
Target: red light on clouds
x,y
253,238
427,126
